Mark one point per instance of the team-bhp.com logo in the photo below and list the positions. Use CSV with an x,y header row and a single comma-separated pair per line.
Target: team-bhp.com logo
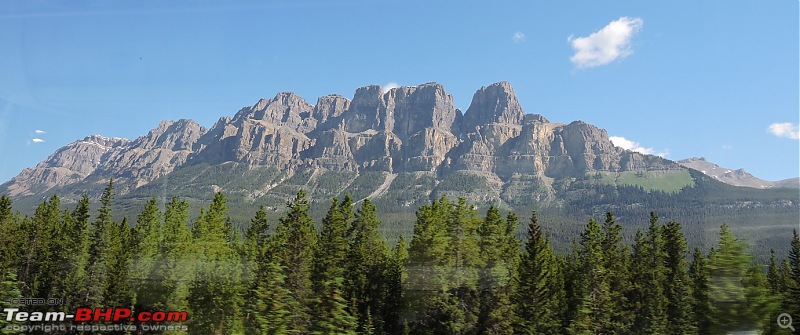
x,y
86,319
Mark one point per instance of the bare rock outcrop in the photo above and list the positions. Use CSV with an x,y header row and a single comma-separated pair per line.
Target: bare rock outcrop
x,y
409,129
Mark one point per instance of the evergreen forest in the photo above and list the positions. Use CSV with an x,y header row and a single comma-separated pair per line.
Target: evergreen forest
x,y
461,272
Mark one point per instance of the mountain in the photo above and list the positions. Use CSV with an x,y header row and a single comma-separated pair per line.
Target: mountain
x,y
738,177
410,131
401,148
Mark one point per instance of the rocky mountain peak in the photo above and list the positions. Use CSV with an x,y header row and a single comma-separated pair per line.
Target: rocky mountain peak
x,y
367,110
285,109
414,108
105,142
738,177
330,106
409,129
172,135
496,103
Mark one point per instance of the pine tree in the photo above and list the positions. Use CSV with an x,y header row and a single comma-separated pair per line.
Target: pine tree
x,y
427,265
592,316
616,259
5,208
269,309
77,235
100,246
762,305
512,250
647,268
572,272
13,236
42,263
215,294
145,241
738,299
9,289
538,292
701,302
295,241
176,261
255,250
792,302
118,290
366,280
334,245
677,284
776,284
464,255
331,315
396,276
494,282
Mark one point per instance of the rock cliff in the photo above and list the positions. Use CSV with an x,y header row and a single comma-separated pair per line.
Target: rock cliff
x,y
406,130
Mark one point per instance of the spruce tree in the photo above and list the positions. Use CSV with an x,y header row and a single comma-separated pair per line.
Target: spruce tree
x,y
427,265
395,304
677,284
763,306
494,283
255,251
215,293
271,304
43,263
366,270
13,237
647,268
334,245
145,241
463,258
738,294
701,302
331,315
5,208
616,261
792,302
176,261
591,314
295,241
776,284
118,290
9,290
538,290
100,247
77,234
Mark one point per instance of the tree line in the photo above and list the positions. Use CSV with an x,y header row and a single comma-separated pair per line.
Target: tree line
x,y
461,273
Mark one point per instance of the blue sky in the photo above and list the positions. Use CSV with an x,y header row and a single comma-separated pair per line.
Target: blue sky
x,y
717,79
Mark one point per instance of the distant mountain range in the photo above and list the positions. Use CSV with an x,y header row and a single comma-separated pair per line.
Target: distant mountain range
x,y
738,177
402,148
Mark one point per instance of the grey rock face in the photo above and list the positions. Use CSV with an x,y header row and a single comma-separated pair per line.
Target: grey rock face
x,y
494,103
154,155
414,129
330,106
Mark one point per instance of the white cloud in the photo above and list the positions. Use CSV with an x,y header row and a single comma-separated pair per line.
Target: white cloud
x,y
388,86
37,140
38,131
627,144
784,129
518,37
727,147
605,45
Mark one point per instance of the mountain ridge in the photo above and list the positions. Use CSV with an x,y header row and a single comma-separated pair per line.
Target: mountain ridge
x,y
735,177
414,132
